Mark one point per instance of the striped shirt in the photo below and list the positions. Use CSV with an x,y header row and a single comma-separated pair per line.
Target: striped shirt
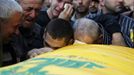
x,y
127,24
106,36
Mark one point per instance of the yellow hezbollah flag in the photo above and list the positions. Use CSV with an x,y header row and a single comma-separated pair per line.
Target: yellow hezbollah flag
x,y
78,60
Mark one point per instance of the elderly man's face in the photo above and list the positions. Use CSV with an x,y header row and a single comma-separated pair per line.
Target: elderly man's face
x,y
31,9
11,26
113,5
57,6
81,6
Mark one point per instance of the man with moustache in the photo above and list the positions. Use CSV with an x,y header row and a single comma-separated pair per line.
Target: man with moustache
x,y
81,9
29,37
94,8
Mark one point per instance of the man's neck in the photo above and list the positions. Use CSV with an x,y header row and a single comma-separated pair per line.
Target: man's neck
x,y
105,11
79,15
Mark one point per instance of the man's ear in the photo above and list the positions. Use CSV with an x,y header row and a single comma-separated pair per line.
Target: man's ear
x,y
99,40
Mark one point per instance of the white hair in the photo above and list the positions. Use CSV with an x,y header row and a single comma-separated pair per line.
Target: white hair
x,y
8,8
87,27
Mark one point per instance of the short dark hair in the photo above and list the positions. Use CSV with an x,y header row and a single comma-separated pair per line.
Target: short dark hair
x,y
59,28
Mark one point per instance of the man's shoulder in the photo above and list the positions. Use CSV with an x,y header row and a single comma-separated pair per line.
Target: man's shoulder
x,y
126,17
37,29
125,20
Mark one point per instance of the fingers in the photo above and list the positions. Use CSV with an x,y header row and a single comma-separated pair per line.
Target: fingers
x,y
66,7
67,12
36,52
33,55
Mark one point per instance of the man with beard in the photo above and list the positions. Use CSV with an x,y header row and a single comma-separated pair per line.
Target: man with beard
x,y
10,17
81,9
29,37
114,8
94,9
94,6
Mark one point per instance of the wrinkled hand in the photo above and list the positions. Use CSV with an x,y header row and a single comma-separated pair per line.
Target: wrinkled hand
x,y
35,52
67,12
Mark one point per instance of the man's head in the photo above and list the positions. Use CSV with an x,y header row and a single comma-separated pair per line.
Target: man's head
x,y
81,6
31,9
10,17
86,31
112,6
58,33
129,4
57,6
94,6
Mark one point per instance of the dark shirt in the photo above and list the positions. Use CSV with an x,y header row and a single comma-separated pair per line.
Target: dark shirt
x,y
106,38
126,25
109,22
27,40
129,14
43,19
9,55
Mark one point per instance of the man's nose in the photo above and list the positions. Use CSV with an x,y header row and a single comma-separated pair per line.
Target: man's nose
x,y
33,14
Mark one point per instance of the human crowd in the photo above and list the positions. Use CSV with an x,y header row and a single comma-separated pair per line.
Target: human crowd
x,y
31,27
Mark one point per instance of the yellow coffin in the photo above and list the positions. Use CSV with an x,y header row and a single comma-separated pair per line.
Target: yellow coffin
x,y
78,60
